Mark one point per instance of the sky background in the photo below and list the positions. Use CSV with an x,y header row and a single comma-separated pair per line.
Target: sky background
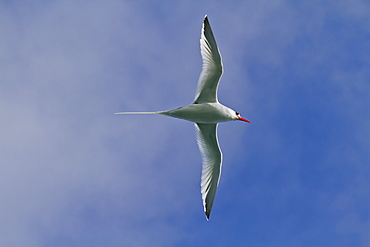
x,y
73,174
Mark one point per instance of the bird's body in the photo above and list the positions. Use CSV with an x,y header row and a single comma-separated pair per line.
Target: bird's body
x,y
206,112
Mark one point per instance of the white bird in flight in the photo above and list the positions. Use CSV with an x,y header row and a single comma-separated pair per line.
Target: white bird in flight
x,y
206,112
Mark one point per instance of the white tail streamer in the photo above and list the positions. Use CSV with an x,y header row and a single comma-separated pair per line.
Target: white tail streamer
x,y
151,112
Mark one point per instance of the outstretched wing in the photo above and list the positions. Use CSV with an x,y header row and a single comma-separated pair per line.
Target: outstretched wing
x,y
212,66
212,162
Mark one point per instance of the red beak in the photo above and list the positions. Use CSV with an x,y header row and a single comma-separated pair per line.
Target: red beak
x,y
243,119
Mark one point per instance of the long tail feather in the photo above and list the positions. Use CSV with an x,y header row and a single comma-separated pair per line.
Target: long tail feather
x,y
151,112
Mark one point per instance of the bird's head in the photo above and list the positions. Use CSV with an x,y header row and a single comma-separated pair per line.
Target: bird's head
x,y
238,117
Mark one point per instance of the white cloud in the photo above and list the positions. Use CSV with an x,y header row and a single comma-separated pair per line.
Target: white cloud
x,y
72,173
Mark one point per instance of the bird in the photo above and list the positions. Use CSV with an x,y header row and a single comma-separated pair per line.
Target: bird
x,y
206,112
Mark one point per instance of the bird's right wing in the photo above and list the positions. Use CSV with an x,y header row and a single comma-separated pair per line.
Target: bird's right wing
x,y
212,66
212,161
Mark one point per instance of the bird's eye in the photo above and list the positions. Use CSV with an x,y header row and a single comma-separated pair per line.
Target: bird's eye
x,y
237,113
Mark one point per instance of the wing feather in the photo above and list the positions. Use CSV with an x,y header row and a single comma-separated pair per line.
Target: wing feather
x,y
212,66
212,162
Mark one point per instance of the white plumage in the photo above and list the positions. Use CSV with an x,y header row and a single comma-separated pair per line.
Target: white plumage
x,y
206,112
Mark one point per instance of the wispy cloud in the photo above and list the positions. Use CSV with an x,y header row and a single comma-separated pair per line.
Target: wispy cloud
x,y
72,173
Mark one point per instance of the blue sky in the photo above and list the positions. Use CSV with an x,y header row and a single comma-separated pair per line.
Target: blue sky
x,y
74,174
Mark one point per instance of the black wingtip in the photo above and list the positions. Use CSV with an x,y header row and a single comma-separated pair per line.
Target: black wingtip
x,y
205,22
207,215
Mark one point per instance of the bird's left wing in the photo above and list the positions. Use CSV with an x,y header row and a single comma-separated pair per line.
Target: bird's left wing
x,y
212,162
212,66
